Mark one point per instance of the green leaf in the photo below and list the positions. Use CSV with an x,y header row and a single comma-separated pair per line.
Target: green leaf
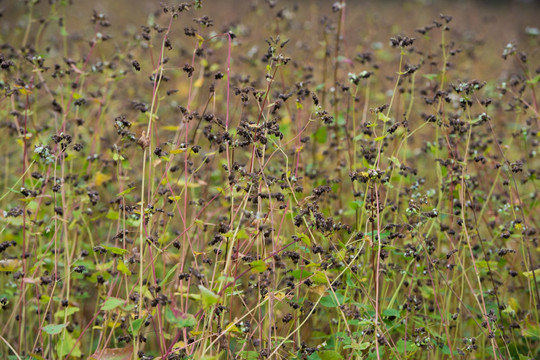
x,y
305,239
430,76
395,160
383,117
483,264
357,204
445,350
532,332
65,345
169,274
208,297
112,303
128,307
115,250
187,320
180,321
330,301
258,266
534,80
391,312
384,234
300,274
33,356
409,346
123,268
127,191
117,157
136,325
329,355
363,346
70,310
532,274
248,355
321,135
319,278
510,311
54,329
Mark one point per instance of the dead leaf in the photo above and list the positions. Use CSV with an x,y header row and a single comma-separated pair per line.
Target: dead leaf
x,y
113,354
144,140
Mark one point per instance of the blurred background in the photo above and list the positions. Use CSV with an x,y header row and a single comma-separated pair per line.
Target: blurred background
x,y
505,20
483,27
